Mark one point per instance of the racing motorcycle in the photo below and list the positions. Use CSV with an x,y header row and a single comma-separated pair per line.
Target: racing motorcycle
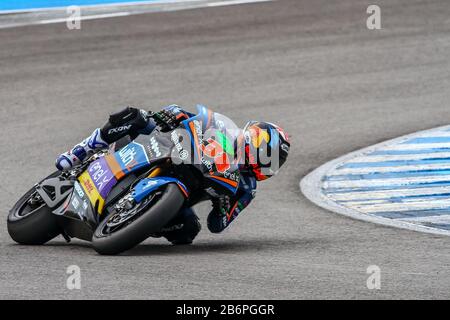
x,y
119,197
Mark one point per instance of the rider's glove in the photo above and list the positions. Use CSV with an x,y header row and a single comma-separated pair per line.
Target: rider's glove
x,y
222,205
166,119
218,218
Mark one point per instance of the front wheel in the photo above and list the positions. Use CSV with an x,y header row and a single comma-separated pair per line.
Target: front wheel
x,y
131,223
31,221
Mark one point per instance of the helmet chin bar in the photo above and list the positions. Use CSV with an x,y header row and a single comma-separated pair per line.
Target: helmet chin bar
x,y
267,148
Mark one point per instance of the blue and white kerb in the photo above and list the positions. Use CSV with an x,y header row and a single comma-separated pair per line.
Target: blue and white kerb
x,y
403,182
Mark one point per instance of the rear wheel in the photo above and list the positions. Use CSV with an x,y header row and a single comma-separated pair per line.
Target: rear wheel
x,y
131,223
30,221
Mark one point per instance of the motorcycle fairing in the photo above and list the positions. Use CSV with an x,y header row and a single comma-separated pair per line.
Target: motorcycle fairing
x,y
78,206
148,185
103,174
67,198
74,205
130,158
92,192
54,190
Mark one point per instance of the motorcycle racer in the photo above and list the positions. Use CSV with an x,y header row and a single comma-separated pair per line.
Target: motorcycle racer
x,y
133,122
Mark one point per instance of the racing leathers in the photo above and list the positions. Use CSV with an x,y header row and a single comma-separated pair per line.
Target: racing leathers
x,y
133,122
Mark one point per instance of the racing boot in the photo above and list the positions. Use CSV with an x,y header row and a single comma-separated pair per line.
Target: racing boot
x,y
80,152
182,229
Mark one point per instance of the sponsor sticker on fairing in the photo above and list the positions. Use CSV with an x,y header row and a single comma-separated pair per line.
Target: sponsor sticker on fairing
x,y
182,153
79,190
150,184
155,147
132,157
75,203
102,177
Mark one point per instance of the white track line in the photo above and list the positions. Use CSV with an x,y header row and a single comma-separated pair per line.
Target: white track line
x,y
372,183
190,4
82,18
385,194
375,206
406,168
418,146
401,157
407,204
433,219
92,6
234,2
435,134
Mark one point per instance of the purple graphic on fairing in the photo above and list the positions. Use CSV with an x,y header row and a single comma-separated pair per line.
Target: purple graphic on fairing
x,y
102,177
